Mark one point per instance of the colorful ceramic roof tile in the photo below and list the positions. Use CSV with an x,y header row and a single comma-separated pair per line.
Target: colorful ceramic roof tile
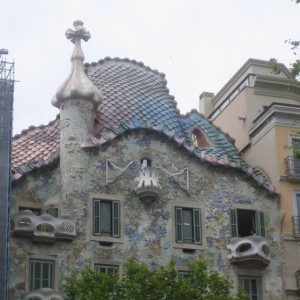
x,y
134,97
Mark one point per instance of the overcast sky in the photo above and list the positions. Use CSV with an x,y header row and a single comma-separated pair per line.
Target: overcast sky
x,y
198,44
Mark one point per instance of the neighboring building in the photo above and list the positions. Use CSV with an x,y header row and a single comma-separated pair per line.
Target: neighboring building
x,y
261,111
120,173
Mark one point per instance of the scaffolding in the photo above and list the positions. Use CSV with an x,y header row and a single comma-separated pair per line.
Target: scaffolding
x,y
6,108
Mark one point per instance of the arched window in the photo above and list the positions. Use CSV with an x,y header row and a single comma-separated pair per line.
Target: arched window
x,y
199,139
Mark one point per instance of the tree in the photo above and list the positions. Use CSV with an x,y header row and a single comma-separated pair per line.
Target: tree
x,y
140,283
295,66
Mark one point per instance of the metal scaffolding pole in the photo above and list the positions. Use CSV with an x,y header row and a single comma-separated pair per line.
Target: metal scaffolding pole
x,y
6,108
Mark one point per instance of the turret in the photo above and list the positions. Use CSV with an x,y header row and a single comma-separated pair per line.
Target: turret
x,y
77,98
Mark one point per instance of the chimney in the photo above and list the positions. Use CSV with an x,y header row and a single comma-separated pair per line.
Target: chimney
x,y
205,103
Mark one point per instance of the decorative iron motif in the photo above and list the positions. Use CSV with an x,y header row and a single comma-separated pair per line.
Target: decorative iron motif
x,y
152,176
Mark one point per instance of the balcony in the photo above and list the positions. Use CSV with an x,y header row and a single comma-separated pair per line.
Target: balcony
x,y
148,186
44,228
296,226
43,294
292,166
250,252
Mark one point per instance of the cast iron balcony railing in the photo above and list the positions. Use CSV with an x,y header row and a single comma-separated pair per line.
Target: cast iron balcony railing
x,y
43,228
43,294
296,226
292,166
249,252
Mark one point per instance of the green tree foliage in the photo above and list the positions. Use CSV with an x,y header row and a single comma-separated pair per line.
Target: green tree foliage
x,y
295,66
90,286
140,283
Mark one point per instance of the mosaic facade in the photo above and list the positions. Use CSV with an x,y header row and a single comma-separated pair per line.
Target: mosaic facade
x,y
148,229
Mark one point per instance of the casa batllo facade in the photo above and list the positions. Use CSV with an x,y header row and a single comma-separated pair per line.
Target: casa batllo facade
x,y
121,173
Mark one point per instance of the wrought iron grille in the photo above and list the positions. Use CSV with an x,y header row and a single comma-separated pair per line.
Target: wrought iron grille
x,y
296,225
292,166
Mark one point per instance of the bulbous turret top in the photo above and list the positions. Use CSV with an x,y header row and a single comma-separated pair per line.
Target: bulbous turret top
x,y
77,85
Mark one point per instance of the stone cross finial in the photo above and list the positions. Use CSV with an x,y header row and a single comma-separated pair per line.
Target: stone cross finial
x,y
79,32
77,85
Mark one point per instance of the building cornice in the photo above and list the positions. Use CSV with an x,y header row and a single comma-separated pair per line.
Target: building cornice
x,y
236,77
277,115
275,85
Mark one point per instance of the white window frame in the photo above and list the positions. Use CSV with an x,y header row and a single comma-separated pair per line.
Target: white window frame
x,y
113,199
242,272
108,263
42,256
49,279
187,205
259,283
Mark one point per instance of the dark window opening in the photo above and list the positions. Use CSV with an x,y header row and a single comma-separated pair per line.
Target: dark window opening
x,y
247,223
35,211
53,211
199,139
145,162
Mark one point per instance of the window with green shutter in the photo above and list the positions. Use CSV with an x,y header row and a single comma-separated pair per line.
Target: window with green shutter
x,y
41,274
188,225
106,218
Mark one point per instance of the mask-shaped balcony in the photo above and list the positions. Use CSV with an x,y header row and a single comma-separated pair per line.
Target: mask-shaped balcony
x,y
148,186
249,252
43,294
43,228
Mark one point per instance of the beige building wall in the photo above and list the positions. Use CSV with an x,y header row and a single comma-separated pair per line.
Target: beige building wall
x,y
259,156
287,188
232,120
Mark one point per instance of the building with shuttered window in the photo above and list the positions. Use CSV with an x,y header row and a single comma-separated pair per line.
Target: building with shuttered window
x,y
121,173
260,109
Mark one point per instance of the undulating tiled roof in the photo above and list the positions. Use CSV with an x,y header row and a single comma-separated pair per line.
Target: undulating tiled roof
x,y
134,97
35,147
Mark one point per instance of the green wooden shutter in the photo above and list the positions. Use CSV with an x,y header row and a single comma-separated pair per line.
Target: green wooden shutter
x,y
96,211
179,225
233,221
197,226
115,218
260,223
